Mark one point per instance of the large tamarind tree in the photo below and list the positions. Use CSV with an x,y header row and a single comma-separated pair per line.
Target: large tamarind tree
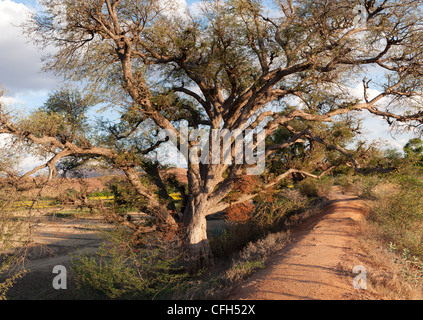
x,y
230,68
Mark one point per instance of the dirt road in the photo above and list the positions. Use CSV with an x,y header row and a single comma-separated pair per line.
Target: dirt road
x,y
319,261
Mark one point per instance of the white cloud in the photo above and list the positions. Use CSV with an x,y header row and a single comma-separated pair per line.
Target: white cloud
x,y
177,8
375,128
195,8
358,92
20,60
10,101
25,161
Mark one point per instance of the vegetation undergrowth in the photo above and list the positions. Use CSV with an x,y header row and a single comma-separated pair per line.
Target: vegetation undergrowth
x,y
393,236
120,270
153,269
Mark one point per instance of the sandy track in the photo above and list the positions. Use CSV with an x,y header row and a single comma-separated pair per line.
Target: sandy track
x,y
318,262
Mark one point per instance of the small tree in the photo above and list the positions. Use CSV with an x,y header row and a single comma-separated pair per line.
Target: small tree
x,y
414,151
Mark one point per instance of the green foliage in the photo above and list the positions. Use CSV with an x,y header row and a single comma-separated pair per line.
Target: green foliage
x,y
313,188
414,151
125,197
72,105
63,116
106,192
119,271
273,209
40,123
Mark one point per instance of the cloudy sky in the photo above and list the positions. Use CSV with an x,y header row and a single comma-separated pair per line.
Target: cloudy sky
x,y
27,86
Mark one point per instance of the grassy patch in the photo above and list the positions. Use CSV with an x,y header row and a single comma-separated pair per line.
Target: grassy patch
x,y
393,237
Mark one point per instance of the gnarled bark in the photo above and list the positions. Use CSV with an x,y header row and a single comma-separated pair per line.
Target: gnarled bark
x,y
199,255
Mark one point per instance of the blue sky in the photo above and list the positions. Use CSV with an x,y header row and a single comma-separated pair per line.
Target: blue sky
x,y
27,87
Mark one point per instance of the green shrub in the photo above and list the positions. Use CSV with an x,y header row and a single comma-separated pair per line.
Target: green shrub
x,y
314,188
125,197
118,272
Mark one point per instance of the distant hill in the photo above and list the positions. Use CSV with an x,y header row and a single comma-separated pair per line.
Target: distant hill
x,y
180,174
97,180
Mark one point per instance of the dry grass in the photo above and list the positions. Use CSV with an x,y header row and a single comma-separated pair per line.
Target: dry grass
x,y
255,255
391,235
387,276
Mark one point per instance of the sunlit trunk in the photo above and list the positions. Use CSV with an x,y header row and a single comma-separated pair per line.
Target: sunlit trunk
x,y
199,255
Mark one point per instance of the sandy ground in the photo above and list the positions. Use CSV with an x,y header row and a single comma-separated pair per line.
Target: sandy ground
x,y
318,263
54,242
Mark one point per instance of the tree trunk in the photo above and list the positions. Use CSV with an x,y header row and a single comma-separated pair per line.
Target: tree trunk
x,y
199,255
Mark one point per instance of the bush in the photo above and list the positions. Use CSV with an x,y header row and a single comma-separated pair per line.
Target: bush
x,y
125,197
242,265
118,271
241,213
233,238
72,194
360,185
411,266
314,188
